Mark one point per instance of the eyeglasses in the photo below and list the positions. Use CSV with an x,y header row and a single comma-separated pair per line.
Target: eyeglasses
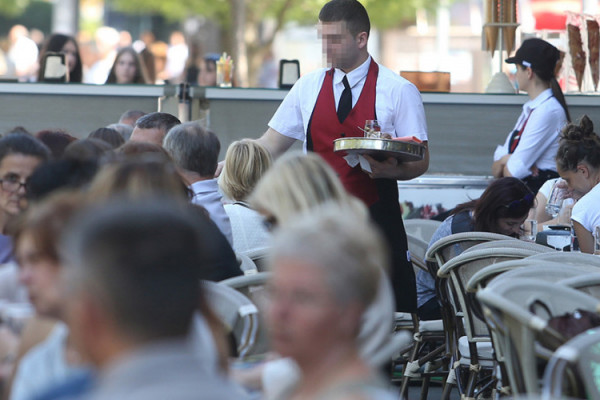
x,y
11,183
527,200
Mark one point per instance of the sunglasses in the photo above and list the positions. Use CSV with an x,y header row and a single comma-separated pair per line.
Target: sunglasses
x,y
527,200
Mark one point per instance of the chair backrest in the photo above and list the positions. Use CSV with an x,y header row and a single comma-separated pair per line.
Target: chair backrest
x,y
417,248
236,312
582,355
421,228
546,271
515,244
555,271
253,287
586,282
570,258
246,264
461,268
450,246
259,257
518,312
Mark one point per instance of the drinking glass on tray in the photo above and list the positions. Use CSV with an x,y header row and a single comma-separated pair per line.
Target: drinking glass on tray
x,y
372,129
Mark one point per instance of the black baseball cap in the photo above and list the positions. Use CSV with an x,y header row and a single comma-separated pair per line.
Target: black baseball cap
x,y
537,54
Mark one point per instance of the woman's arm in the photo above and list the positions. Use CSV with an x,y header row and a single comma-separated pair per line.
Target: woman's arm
x,y
585,238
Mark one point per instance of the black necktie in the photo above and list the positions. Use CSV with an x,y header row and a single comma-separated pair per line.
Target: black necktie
x,y
345,104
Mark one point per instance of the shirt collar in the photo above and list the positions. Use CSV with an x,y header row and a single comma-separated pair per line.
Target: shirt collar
x,y
542,97
354,76
205,186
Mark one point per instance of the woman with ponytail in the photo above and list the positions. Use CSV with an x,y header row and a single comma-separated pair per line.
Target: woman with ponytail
x,y
578,163
529,150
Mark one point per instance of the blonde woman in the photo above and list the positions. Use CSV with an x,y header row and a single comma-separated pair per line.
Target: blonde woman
x,y
298,182
246,162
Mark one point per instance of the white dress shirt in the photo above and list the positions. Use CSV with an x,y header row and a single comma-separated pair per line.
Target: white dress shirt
x,y
539,140
398,103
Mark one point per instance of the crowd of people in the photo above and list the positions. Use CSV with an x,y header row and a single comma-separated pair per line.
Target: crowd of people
x,y
110,57
109,237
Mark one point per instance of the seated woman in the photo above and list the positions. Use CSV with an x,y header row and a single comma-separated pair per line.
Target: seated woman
x,y
502,208
325,275
578,163
128,68
246,162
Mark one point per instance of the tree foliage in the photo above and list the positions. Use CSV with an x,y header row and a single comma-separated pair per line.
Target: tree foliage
x,y
13,8
383,13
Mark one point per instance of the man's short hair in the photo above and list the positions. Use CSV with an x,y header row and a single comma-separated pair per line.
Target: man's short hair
x,y
351,12
160,120
18,143
142,262
193,148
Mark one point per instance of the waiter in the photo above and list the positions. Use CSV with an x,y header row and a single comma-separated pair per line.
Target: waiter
x,y
331,103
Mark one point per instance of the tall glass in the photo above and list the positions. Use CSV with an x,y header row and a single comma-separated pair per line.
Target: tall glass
x,y
530,229
597,240
556,198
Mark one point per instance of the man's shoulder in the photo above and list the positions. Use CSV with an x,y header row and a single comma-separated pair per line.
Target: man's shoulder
x,y
390,77
312,77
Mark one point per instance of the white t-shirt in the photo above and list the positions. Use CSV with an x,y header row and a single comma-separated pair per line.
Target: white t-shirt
x,y
539,141
546,188
586,211
398,103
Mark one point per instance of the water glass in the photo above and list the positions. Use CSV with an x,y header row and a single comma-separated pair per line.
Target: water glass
x,y
557,195
597,240
372,129
530,229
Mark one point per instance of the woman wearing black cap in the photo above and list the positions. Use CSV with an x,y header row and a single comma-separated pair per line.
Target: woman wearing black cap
x,y
530,149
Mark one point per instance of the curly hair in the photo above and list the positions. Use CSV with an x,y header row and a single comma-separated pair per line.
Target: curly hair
x,y
578,143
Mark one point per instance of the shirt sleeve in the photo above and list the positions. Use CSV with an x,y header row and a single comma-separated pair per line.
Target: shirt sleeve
x,y
539,134
586,211
287,120
409,113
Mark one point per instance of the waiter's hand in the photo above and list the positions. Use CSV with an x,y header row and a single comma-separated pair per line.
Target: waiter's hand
x,y
220,166
382,169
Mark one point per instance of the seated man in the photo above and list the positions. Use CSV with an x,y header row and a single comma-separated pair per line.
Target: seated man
x,y
132,272
153,127
195,151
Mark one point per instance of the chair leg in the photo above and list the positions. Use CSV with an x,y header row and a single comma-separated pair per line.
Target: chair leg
x,y
425,387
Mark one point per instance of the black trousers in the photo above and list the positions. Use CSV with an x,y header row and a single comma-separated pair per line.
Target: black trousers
x,y
388,216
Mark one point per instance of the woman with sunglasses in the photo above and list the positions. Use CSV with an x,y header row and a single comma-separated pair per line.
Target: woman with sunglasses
x,y
578,163
502,208
529,150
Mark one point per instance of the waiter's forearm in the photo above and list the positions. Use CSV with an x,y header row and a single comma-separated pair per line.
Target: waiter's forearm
x,y
275,142
411,170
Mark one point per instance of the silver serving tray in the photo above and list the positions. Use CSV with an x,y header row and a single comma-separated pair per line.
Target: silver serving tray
x,y
380,148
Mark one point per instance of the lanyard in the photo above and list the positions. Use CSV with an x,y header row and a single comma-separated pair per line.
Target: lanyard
x,y
516,135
